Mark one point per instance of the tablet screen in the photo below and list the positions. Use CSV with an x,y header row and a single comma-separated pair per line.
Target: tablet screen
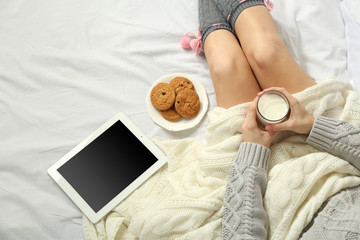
x,y
106,166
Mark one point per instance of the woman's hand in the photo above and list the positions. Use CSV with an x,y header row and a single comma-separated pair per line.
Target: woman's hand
x,y
251,131
300,120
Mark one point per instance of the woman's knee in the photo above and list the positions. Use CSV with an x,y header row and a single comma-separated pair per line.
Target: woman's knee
x,y
228,66
266,53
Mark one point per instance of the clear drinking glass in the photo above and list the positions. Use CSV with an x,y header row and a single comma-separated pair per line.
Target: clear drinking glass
x,y
272,107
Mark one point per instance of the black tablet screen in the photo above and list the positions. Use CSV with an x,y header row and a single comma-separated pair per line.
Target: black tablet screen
x,y
107,165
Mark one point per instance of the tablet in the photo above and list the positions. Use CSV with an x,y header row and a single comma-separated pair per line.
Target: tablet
x,y
107,166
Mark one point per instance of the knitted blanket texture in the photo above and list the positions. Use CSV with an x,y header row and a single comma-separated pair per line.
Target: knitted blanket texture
x,y
184,199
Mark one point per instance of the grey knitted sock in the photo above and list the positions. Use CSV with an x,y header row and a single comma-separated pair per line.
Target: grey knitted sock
x,y
231,9
211,19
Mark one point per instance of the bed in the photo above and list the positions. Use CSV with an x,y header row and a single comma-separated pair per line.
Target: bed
x,y
68,66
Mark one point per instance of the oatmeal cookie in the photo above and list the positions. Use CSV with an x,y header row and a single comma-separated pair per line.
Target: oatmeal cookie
x,y
181,83
171,114
162,96
187,103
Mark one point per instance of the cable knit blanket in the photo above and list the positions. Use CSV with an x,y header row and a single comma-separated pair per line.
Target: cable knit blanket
x,y
184,200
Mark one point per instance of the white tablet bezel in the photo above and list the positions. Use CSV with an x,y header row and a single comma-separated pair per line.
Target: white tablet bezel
x,y
77,199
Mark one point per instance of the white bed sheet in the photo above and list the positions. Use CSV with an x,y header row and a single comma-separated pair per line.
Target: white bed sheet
x,y
351,13
68,66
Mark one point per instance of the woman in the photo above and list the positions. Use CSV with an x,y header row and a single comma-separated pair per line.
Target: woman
x,y
246,54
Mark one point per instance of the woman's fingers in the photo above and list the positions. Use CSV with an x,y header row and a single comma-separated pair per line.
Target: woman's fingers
x,y
279,127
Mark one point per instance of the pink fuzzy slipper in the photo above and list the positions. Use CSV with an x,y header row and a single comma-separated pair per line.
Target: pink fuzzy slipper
x,y
193,41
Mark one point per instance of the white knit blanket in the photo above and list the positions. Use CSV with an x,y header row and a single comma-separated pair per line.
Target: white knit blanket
x,y
184,200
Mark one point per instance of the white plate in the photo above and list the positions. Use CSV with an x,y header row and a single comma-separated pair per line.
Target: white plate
x,y
184,123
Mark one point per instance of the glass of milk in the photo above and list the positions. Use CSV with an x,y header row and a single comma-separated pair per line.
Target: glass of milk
x,y
272,107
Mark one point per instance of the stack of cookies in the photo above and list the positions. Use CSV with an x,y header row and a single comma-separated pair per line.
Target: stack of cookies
x,y
176,99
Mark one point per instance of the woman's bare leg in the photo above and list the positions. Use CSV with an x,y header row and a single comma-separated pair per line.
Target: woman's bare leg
x,y
232,77
267,54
